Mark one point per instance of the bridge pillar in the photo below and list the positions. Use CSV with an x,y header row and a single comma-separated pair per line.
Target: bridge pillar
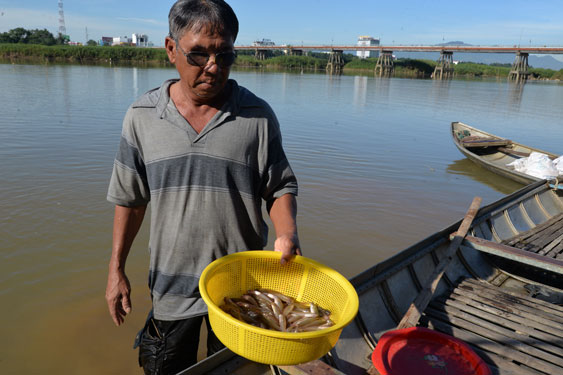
x,y
384,66
444,69
261,54
519,71
335,62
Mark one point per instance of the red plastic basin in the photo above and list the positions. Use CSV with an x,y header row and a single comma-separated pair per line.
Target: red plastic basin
x,y
422,351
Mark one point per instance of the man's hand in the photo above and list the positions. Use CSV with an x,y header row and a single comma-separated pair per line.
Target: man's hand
x,y
289,246
283,212
126,224
118,296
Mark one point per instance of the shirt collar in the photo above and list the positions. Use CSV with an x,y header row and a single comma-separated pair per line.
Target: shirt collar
x,y
164,96
231,106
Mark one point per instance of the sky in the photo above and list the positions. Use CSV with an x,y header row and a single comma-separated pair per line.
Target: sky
x,y
312,22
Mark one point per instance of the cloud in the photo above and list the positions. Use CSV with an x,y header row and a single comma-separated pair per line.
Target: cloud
x,y
143,20
30,19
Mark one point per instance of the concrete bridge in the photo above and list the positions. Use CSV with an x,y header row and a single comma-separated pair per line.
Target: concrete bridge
x,y
384,66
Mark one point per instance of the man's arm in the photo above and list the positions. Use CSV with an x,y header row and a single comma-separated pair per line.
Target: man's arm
x,y
126,224
284,217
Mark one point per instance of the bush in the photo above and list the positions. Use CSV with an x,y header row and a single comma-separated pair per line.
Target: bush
x,y
480,70
21,35
83,53
415,67
542,73
357,63
297,62
290,62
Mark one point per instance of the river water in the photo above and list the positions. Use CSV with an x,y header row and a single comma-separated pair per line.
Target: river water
x,y
376,165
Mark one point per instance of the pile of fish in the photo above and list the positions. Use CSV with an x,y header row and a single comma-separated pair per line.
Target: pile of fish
x,y
273,310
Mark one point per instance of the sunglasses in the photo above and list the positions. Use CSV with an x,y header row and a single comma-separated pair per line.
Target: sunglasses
x,y
198,58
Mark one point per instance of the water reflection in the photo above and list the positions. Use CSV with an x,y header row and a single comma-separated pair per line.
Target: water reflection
x,y
360,90
382,85
334,86
66,91
135,82
285,80
466,167
440,90
515,91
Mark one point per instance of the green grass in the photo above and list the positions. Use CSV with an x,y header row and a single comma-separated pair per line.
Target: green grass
x,y
480,70
289,62
80,54
402,67
558,75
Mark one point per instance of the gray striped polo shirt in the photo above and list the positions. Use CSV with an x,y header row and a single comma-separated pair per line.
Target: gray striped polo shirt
x,y
206,189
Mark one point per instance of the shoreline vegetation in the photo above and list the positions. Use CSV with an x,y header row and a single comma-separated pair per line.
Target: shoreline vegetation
x,y
156,57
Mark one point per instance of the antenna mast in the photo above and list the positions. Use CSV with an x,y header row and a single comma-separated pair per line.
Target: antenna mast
x,y
62,27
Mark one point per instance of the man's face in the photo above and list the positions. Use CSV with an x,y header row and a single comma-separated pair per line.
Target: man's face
x,y
201,82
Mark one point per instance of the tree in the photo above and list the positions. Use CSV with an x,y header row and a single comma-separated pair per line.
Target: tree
x,y
62,39
40,37
21,35
91,42
17,35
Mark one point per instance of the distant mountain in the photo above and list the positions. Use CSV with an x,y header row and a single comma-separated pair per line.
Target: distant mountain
x,y
536,61
454,43
545,61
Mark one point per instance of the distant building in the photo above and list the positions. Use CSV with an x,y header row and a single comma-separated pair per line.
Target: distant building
x,y
120,40
365,41
106,41
263,42
140,40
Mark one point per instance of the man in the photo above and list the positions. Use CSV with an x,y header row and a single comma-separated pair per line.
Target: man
x,y
205,152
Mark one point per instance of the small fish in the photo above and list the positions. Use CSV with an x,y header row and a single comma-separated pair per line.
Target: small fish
x,y
269,309
288,309
250,299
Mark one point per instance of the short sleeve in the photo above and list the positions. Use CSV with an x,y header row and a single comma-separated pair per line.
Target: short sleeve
x,y
128,184
279,178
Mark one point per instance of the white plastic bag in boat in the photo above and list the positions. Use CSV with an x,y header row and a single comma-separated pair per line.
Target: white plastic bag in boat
x,y
537,164
558,163
519,165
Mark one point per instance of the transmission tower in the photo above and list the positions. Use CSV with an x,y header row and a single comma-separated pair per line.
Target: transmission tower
x,y
62,27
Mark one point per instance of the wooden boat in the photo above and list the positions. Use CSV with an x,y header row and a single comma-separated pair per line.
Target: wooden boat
x,y
493,152
513,251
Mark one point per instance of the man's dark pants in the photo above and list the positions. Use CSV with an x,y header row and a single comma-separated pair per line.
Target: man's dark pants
x,y
168,347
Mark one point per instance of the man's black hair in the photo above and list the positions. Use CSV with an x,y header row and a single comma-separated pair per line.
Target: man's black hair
x,y
216,16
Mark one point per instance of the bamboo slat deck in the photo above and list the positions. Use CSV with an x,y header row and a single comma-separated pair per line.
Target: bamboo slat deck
x,y
513,333
545,239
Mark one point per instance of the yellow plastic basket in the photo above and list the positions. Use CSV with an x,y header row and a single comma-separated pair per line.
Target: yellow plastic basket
x,y
303,279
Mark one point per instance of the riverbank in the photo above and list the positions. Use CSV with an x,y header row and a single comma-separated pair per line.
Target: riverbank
x,y
81,54
156,57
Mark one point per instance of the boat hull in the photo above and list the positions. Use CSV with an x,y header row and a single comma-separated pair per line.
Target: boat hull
x,y
478,300
494,158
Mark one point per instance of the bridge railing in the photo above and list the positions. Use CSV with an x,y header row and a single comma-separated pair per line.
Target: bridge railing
x,y
468,49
